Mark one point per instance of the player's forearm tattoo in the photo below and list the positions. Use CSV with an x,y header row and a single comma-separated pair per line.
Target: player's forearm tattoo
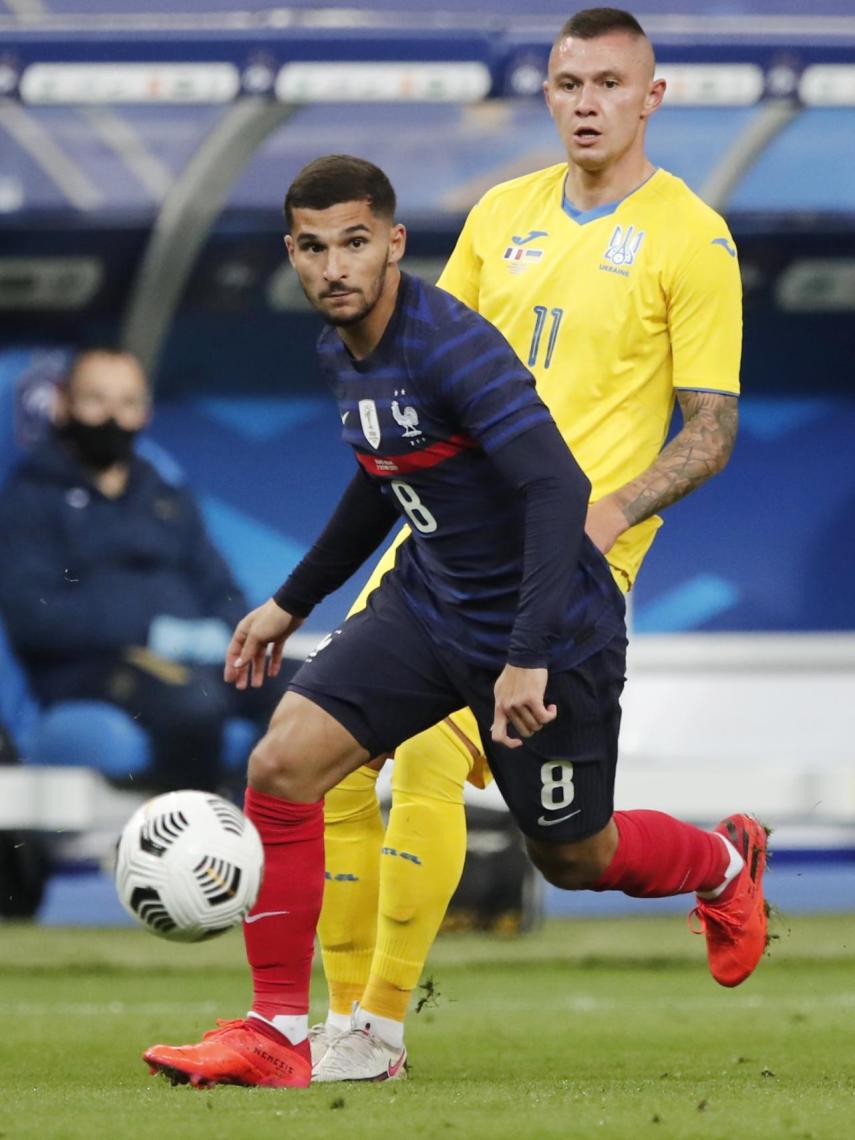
x,y
699,451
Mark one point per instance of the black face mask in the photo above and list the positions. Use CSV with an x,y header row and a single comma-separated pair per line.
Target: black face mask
x,y
99,445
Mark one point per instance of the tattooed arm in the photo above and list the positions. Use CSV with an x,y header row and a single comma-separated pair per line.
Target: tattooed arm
x,y
700,450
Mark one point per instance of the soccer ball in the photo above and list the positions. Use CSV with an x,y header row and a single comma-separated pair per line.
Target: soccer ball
x,y
189,865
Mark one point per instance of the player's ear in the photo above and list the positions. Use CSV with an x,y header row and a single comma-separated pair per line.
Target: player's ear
x,y
397,242
654,97
289,245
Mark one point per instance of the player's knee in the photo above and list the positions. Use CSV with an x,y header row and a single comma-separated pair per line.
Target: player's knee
x,y
304,753
276,768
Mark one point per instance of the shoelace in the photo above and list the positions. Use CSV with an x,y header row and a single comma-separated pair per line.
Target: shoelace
x,y
715,915
324,1032
224,1026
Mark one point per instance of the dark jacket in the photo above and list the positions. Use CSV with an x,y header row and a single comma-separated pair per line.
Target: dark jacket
x,y
82,575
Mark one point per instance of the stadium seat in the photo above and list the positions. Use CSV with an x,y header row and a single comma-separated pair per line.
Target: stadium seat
x,y
90,734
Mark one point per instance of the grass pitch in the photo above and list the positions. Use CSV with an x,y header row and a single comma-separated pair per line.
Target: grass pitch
x,y
603,1028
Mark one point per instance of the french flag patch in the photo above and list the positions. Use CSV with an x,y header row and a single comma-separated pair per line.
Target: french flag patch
x,y
514,253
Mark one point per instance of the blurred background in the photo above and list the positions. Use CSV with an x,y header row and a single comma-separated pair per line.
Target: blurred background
x,y
143,160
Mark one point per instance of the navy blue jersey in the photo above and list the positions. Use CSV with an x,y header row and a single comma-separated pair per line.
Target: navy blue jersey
x,y
440,395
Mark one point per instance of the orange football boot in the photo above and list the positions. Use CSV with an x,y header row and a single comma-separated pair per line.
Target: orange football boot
x,y
735,923
235,1053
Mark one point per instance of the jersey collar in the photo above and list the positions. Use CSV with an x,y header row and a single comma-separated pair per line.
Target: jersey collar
x,y
581,217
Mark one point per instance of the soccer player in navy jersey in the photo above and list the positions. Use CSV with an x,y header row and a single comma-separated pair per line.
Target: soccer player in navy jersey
x,y
499,602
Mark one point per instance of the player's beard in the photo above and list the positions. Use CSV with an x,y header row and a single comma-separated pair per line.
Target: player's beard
x,y
370,298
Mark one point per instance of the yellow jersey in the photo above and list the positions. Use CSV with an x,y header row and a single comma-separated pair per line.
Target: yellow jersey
x,y
612,310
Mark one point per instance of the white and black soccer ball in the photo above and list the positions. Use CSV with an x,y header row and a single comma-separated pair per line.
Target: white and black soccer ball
x,y
189,865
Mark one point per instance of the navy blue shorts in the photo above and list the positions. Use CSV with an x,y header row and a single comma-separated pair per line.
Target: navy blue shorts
x,y
383,679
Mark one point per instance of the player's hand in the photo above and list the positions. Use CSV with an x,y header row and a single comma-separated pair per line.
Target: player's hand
x,y
247,654
519,702
605,523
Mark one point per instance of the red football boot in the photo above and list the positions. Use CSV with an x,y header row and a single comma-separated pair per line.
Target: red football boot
x,y
235,1053
735,922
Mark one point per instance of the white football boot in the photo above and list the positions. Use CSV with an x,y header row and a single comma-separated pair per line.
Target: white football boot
x,y
321,1037
360,1055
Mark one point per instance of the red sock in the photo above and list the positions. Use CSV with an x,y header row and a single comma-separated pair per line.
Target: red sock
x,y
280,932
658,855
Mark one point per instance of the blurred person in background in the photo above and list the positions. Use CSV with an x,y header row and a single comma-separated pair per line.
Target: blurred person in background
x,y
110,586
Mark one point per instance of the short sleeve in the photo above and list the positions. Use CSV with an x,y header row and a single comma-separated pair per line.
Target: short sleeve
x,y
705,317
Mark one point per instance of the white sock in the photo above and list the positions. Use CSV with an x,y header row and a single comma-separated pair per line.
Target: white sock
x,y
293,1026
733,868
389,1031
339,1021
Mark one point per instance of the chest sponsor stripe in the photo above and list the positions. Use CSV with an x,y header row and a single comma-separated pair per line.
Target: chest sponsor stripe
x,y
415,460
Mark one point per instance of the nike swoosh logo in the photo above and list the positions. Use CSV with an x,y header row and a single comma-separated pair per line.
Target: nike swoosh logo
x,y
394,1068
544,822
250,918
344,417
532,234
726,244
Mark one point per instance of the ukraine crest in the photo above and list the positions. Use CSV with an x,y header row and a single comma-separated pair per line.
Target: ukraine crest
x,y
624,245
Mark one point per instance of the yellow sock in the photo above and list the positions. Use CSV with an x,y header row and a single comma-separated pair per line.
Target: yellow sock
x,y
420,867
348,925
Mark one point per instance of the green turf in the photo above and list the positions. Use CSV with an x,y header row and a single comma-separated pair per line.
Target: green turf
x,y
605,1028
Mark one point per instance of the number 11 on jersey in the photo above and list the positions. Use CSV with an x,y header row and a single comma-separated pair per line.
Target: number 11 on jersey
x,y
541,316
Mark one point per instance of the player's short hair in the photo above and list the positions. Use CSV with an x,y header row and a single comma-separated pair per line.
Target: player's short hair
x,y
593,22
337,178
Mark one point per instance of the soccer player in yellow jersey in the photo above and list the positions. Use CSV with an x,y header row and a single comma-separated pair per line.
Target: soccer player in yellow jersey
x,y
619,289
